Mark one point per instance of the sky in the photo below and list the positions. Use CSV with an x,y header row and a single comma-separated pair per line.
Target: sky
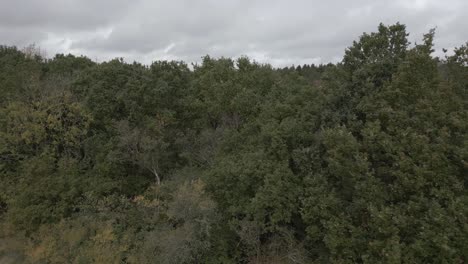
x,y
282,33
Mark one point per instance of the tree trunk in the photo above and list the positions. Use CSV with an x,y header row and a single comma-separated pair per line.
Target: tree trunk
x,y
156,175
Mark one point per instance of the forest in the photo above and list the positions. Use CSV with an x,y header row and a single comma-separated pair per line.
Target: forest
x,y
235,161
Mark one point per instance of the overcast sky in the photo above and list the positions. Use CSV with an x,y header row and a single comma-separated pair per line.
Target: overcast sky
x,y
277,32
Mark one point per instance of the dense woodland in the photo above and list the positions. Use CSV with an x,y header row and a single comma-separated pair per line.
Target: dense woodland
x,y
232,161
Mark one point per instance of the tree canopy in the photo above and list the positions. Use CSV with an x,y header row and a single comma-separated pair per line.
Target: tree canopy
x,y
233,161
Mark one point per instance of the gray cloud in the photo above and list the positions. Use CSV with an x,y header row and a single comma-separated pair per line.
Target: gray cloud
x,y
60,14
278,32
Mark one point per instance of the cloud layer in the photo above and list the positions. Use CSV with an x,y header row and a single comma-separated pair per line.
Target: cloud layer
x,y
277,32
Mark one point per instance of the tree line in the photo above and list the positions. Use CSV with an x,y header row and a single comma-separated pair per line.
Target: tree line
x,y
233,161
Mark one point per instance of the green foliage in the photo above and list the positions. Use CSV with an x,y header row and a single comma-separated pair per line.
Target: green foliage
x,y
234,161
